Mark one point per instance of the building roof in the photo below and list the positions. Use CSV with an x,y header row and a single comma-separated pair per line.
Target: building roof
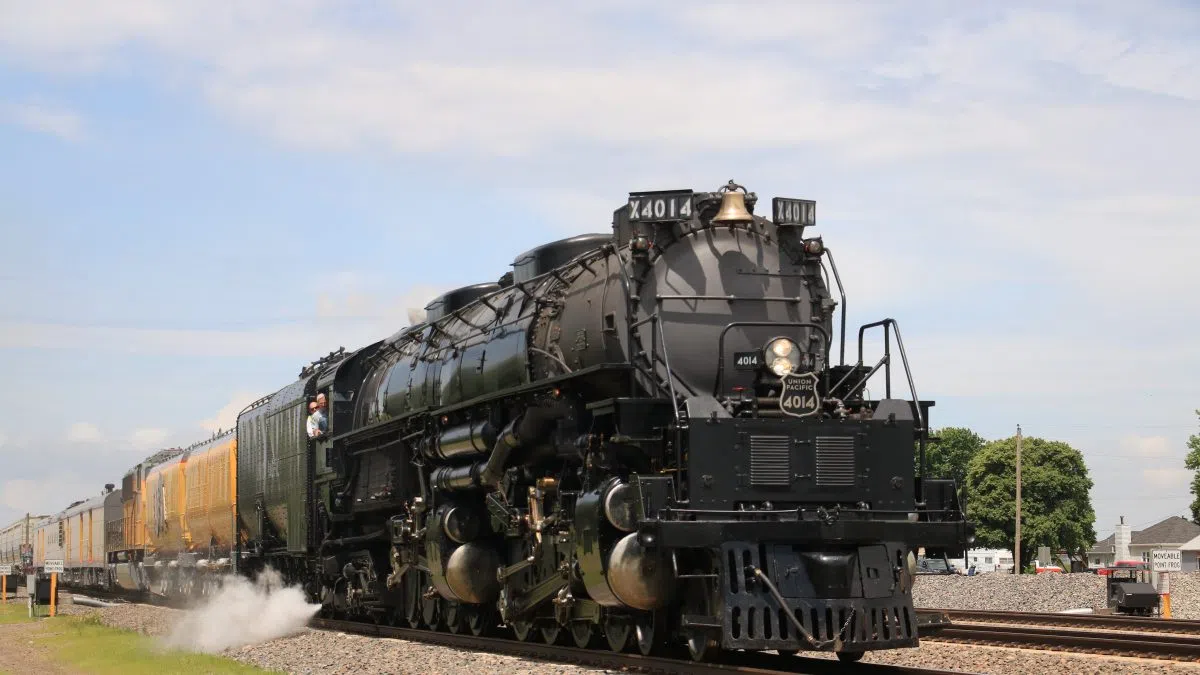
x,y
1173,530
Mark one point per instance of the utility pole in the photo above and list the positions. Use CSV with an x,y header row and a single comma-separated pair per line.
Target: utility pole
x,y
1017,543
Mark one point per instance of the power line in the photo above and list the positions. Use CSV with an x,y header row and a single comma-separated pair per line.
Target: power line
x,y
1143,498
1142,524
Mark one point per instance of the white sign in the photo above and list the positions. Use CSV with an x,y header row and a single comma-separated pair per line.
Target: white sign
x,y
1166,561
5,570
54,566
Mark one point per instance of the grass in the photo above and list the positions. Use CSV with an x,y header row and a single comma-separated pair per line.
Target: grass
x,y
13,611
86,644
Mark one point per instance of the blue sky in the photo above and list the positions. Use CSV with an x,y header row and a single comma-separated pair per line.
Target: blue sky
x,y
198,199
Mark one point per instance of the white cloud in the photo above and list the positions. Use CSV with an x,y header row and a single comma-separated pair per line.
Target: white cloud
x,y
269,341
1149,446
43,119
349,296
346,314
148,438
64,124
1167,480
226,417
47,495
951,363
84,432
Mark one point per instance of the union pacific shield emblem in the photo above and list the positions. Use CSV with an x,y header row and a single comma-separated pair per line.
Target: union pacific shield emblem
x,y
799,397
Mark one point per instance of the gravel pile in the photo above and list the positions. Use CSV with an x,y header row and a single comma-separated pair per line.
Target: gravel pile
x,y
1008,592
1185,595
1040,592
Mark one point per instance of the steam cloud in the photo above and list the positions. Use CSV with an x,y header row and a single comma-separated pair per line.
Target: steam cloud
x,y
243,613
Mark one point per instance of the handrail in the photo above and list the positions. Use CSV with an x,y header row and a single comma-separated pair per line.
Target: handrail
x,y
888,324
657,336
842,292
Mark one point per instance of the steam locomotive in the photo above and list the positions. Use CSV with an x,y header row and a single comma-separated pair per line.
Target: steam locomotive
x,y
635,439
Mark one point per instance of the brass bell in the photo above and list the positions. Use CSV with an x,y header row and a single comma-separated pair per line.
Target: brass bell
x,y
733,208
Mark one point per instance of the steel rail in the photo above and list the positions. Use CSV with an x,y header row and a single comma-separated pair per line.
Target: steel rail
x,y
1163,646
1099,621
746,663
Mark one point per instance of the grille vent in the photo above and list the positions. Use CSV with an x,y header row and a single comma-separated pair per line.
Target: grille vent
x,y
835,461
770,460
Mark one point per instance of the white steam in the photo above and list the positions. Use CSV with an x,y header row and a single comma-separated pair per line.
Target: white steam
x,y
243,613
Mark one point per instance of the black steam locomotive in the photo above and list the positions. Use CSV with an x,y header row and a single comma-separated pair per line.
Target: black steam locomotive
x,y
634,438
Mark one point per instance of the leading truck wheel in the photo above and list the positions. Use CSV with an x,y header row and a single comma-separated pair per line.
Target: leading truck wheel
x,y
849,657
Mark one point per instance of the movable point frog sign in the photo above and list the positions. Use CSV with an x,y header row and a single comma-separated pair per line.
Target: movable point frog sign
x,y
1163,562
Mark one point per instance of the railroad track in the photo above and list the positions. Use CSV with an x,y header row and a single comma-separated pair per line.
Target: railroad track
x,y
1116,636
745,663
1094,621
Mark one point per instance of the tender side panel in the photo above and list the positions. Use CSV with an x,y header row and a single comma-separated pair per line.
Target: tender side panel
x,y
292,488
273,470
251,459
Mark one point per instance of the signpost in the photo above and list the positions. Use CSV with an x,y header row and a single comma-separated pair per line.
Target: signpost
x,y
5,570
1163,562
54,568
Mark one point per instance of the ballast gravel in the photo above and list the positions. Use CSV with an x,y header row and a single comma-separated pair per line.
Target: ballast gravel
x,y
1010,593
313,651
1185,596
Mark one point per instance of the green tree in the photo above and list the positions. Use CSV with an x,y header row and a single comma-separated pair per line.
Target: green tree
x,y
1192,462
1055,501
948,456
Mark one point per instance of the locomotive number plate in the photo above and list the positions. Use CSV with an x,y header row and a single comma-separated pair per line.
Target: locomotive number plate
x,y
794,211
800,397
747,360
660,206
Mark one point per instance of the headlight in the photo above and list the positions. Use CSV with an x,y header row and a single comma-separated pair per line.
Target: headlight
x,y
784,356
781,347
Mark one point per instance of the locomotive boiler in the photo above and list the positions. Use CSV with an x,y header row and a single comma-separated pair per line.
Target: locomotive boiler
x,y
635,438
